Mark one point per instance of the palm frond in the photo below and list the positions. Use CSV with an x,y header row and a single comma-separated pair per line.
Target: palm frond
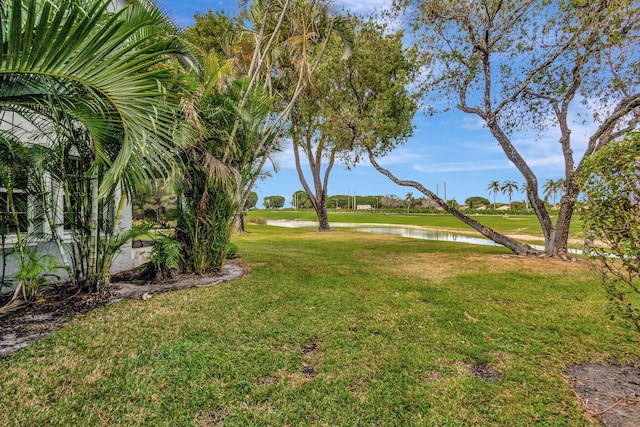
x,y
108,65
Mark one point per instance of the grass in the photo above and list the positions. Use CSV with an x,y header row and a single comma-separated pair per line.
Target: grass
x,y
514,224
334,328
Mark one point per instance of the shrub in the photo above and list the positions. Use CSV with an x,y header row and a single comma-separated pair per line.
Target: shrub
x,y
166,257
611,216
232,251
257,220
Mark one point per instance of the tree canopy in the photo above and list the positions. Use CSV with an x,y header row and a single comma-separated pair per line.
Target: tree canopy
x,y
611,218
355,103
533,65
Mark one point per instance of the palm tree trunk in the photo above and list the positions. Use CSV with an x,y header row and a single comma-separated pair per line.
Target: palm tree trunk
x,y
107,261
238,221
93,232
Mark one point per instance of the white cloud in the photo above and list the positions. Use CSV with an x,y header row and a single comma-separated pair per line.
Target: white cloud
x,y
361,6
442,167
401,156
472,123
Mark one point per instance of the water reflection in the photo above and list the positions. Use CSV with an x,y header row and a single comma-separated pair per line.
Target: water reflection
x,y
427,235
402,231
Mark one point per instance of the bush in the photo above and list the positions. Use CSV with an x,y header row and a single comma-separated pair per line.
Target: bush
x,y
232,251
611,216
257,220
166,257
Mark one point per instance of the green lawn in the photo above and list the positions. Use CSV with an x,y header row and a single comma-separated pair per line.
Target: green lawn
x,y
517,224
334,328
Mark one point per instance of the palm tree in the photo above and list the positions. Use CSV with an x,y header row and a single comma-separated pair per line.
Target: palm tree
x,y
560,186
494,187
508,187
524,187
409,200
552,188
549,189
216,170
94,84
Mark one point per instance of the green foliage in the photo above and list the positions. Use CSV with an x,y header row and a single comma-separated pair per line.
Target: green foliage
x,y
166,257
493,188
553,188
34,270
216,169
204,223
213,32
273,202
300,200
508,188
101,68
252,200
154,202
232,251
611,214
98,88
476,201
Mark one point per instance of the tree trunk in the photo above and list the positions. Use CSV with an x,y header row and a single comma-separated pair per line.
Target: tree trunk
x,y
319,199
567,206
91,282
323,217
548,230
239,222
517,247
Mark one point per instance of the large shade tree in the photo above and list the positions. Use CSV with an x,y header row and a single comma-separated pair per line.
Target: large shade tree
x,y
535,65
307,28
362,101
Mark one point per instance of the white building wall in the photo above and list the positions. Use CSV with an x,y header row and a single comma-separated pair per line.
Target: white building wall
x,y
122,261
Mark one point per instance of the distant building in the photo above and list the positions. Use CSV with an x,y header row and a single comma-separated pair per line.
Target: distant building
x,y
364,207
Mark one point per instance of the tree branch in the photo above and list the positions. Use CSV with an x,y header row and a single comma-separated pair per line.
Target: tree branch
x,y
517,247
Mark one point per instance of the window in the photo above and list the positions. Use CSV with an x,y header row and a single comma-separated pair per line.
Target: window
x,y
14,207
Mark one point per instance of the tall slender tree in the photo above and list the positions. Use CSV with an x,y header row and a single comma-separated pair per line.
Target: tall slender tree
x,y
409,199
552,188
494,187
354,103
509,187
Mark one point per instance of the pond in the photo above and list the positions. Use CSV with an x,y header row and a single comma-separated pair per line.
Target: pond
x,y
403,231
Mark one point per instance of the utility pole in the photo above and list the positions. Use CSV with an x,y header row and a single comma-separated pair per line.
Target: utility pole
x,y
445,190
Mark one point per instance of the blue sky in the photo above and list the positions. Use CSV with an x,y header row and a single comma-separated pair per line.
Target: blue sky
x,y
451,147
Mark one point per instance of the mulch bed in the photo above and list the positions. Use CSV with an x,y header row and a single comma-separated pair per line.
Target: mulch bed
x,y
57,305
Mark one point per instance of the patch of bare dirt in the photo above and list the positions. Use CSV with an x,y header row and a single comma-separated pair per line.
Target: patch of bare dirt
x,y
610,393
29,322
486,372
311,359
